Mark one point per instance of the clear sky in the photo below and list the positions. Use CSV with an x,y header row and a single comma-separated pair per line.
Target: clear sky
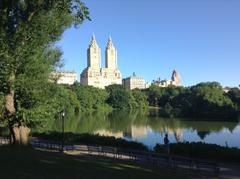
x,y
198,38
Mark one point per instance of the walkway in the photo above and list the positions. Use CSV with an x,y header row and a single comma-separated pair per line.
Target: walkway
x,y
221,170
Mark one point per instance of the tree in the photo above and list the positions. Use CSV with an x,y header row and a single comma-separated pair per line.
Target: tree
x,y
154,93
119,97
234,95
1,105
199,101
90,98
28,30
168,95
208,100
140,98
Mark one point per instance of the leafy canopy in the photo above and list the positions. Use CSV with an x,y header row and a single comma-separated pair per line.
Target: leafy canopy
x,y
28,31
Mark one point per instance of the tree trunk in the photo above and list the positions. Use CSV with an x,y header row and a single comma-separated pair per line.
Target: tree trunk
x,y
19,132
10,109
20,135
9,104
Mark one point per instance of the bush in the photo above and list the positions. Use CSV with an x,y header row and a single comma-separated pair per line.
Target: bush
x,y
201,150
91,139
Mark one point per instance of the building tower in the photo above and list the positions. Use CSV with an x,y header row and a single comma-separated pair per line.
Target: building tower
x,y
176,78
94,54
93,74
111,56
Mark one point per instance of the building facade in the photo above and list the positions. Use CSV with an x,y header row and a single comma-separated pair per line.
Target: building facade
x,y
96,76
65,77
176,78
175,81
134,82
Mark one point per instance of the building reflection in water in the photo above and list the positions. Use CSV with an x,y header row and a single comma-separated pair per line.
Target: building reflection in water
x,y
137,132
150,129
104,132
178,134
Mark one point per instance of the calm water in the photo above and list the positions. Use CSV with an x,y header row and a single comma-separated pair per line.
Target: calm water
x,y
150,129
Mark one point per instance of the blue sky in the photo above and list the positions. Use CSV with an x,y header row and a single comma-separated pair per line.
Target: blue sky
x,y
198,38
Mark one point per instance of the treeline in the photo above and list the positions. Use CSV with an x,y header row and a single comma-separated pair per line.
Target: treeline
x,y
204,100
49,104
114,96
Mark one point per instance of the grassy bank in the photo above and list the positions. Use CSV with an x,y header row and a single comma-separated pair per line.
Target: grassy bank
x,y
29,163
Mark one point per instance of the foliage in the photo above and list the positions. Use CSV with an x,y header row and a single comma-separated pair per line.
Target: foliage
x,y
234,95
65,100
154,93
116,96
1,105
91,139
204,100
208,100
140,99
120,97
203,151
28,31
90,98
47,109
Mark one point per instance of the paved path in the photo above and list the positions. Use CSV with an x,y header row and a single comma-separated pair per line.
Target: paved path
x,y
227,171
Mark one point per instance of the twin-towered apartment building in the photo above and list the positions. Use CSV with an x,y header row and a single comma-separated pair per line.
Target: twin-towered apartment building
x,y
95,75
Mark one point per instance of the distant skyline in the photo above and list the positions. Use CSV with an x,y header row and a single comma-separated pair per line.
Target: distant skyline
x,y
198,38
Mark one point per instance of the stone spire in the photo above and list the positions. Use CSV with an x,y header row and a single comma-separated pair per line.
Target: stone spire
x,y
111,55
110,44
176,77
94,54
93,41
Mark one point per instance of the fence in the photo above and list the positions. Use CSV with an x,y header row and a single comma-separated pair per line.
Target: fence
x,y
127,154
135,155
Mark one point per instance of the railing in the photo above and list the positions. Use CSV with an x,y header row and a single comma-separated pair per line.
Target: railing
x,y
135,155
127,154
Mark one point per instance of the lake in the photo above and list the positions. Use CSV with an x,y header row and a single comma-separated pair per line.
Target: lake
x,y
149,129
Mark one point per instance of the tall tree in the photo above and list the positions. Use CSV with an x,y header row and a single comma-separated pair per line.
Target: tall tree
x,y
28,30
120,97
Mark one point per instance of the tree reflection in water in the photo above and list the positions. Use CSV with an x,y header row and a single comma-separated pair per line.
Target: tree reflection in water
x,y
134,125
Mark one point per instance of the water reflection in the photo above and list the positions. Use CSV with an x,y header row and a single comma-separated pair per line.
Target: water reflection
x,y
149,128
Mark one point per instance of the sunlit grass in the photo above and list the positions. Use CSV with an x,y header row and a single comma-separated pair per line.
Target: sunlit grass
x,y
30,163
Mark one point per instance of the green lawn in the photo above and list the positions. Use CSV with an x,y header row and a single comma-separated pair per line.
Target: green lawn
x,y
29,163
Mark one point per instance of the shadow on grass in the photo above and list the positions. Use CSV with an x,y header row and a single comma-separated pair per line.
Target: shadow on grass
x,y
30,163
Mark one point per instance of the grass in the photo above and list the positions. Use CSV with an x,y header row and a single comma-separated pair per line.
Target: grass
x,y
29,163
